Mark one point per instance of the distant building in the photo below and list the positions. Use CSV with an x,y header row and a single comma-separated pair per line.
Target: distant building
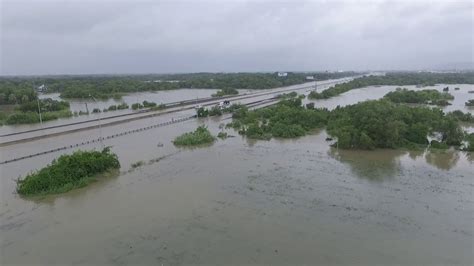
x,y
41,88
309,77
282,74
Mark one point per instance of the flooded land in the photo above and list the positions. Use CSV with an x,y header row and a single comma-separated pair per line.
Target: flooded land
x,y
246,202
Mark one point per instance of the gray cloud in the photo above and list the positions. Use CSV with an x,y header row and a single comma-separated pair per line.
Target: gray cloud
x,y
55,37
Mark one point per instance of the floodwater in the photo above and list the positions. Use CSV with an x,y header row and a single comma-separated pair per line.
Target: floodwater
x,y
159,97
243,202
461,96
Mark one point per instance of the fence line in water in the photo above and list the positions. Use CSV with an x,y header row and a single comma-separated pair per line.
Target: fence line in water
x,y
173,121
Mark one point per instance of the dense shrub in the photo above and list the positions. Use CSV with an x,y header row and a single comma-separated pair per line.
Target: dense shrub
x,y
136,106
287,119
215,111
225,91
438,145
469,139
22,118
32,117
122,106
46,105
424,96
200,136
383,124
68,172
202,112
460,116
222,135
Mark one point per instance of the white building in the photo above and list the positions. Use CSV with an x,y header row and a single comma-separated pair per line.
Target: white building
x,y
41,88
282,74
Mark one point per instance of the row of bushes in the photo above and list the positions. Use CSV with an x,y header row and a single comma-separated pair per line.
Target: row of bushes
x,y
135,106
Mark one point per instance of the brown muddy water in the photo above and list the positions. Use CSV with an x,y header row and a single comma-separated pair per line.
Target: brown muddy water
x,y
242,202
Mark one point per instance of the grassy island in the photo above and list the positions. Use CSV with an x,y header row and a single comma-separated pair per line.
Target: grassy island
x,y
68,172
200,136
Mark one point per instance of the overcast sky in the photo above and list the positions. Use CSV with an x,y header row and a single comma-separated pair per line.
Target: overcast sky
x,y
104,36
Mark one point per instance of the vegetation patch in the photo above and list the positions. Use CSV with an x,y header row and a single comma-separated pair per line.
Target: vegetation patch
x,y
382,124
438,145
222,135
365,125
287,119
225,91
137,164
422,97
469,142
287,95
28,113
200,136
68,172
462,117
470,103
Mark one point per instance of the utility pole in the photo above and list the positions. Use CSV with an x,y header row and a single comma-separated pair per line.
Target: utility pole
x,y
39,112
39,108
100,124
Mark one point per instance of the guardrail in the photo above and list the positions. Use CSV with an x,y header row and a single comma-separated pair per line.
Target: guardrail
x,y
173,121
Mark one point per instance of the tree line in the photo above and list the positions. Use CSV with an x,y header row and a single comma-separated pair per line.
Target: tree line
x,y
108,86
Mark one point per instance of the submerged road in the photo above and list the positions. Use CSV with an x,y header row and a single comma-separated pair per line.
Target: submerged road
x,y
175,107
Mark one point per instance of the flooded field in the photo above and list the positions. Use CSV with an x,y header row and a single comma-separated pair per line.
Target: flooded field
x,y
245,202
376,92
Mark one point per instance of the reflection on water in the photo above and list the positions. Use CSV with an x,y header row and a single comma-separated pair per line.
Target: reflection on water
x,y
244,202
470,156
414,154
443,159
375,165
379,165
